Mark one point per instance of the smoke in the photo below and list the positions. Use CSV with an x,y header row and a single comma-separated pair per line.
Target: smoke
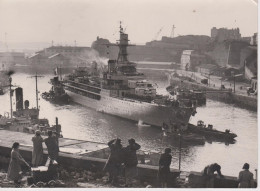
x,y
9,73
88,56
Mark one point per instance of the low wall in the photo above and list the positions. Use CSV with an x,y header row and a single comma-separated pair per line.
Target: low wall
x,y
197,180
147,173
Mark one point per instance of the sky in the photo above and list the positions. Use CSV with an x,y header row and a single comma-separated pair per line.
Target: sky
x,y
65,21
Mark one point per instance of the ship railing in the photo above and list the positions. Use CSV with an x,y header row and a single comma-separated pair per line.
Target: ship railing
x,y
83,90
87,85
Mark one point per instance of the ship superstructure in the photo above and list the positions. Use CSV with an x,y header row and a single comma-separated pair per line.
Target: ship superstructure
x,y
124,92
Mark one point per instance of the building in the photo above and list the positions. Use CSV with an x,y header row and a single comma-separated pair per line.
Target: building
x,y
206,69
8,59
227,53
186,59
190,59
254,39
63,55
223,34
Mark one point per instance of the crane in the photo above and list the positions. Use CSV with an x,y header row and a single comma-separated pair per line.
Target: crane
x,y
157,34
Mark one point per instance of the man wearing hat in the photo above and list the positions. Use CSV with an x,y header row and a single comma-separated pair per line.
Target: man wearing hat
x,y
37,153
114,160
131,161
245,178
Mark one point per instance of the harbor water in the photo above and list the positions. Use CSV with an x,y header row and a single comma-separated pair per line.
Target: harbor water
x,y
79,122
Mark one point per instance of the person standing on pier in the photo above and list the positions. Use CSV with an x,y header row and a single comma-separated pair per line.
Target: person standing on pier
x,y
131,162
14,168
245,178
114,160
37,153
209,173
164,167
52,146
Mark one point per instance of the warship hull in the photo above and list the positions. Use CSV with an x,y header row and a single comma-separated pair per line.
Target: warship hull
x,y
148,113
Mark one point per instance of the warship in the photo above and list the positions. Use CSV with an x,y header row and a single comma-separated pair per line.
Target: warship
x,y
122,91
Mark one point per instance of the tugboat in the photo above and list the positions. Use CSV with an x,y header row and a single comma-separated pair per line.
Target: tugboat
x,y
211,133
57,93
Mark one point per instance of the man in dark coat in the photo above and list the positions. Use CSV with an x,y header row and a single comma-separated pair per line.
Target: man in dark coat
x,y
114,160
164,167
208,172
245,178
131,161
52,146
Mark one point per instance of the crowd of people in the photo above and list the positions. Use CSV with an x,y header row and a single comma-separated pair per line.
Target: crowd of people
x,y
121,161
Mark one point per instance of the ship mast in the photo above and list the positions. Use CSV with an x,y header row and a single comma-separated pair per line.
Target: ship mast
x,y
123,43
36,88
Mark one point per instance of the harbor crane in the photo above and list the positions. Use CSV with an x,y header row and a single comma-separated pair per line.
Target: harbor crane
x,y
157,34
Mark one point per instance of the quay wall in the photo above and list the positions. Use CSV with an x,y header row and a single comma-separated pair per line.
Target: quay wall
x,y
242,101
147,173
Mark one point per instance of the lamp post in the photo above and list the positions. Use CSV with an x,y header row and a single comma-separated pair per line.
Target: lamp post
x,y
209,77
233,74
180,152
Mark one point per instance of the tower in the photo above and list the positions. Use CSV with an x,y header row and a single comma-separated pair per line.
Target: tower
x,y
172,33
123,43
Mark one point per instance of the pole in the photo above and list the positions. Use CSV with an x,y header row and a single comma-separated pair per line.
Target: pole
x,y
209,80
36,91
11,104
180,154
256,174
234,83
60,74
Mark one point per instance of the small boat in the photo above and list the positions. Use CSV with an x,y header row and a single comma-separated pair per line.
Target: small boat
x,y
183,134
211,133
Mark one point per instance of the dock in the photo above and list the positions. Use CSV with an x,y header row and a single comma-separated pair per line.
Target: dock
x,y
88,155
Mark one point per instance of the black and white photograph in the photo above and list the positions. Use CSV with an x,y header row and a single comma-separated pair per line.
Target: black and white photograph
x,y
128,94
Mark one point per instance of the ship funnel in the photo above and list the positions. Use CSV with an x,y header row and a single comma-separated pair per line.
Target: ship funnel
x,y
19,98
111,66
26,104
